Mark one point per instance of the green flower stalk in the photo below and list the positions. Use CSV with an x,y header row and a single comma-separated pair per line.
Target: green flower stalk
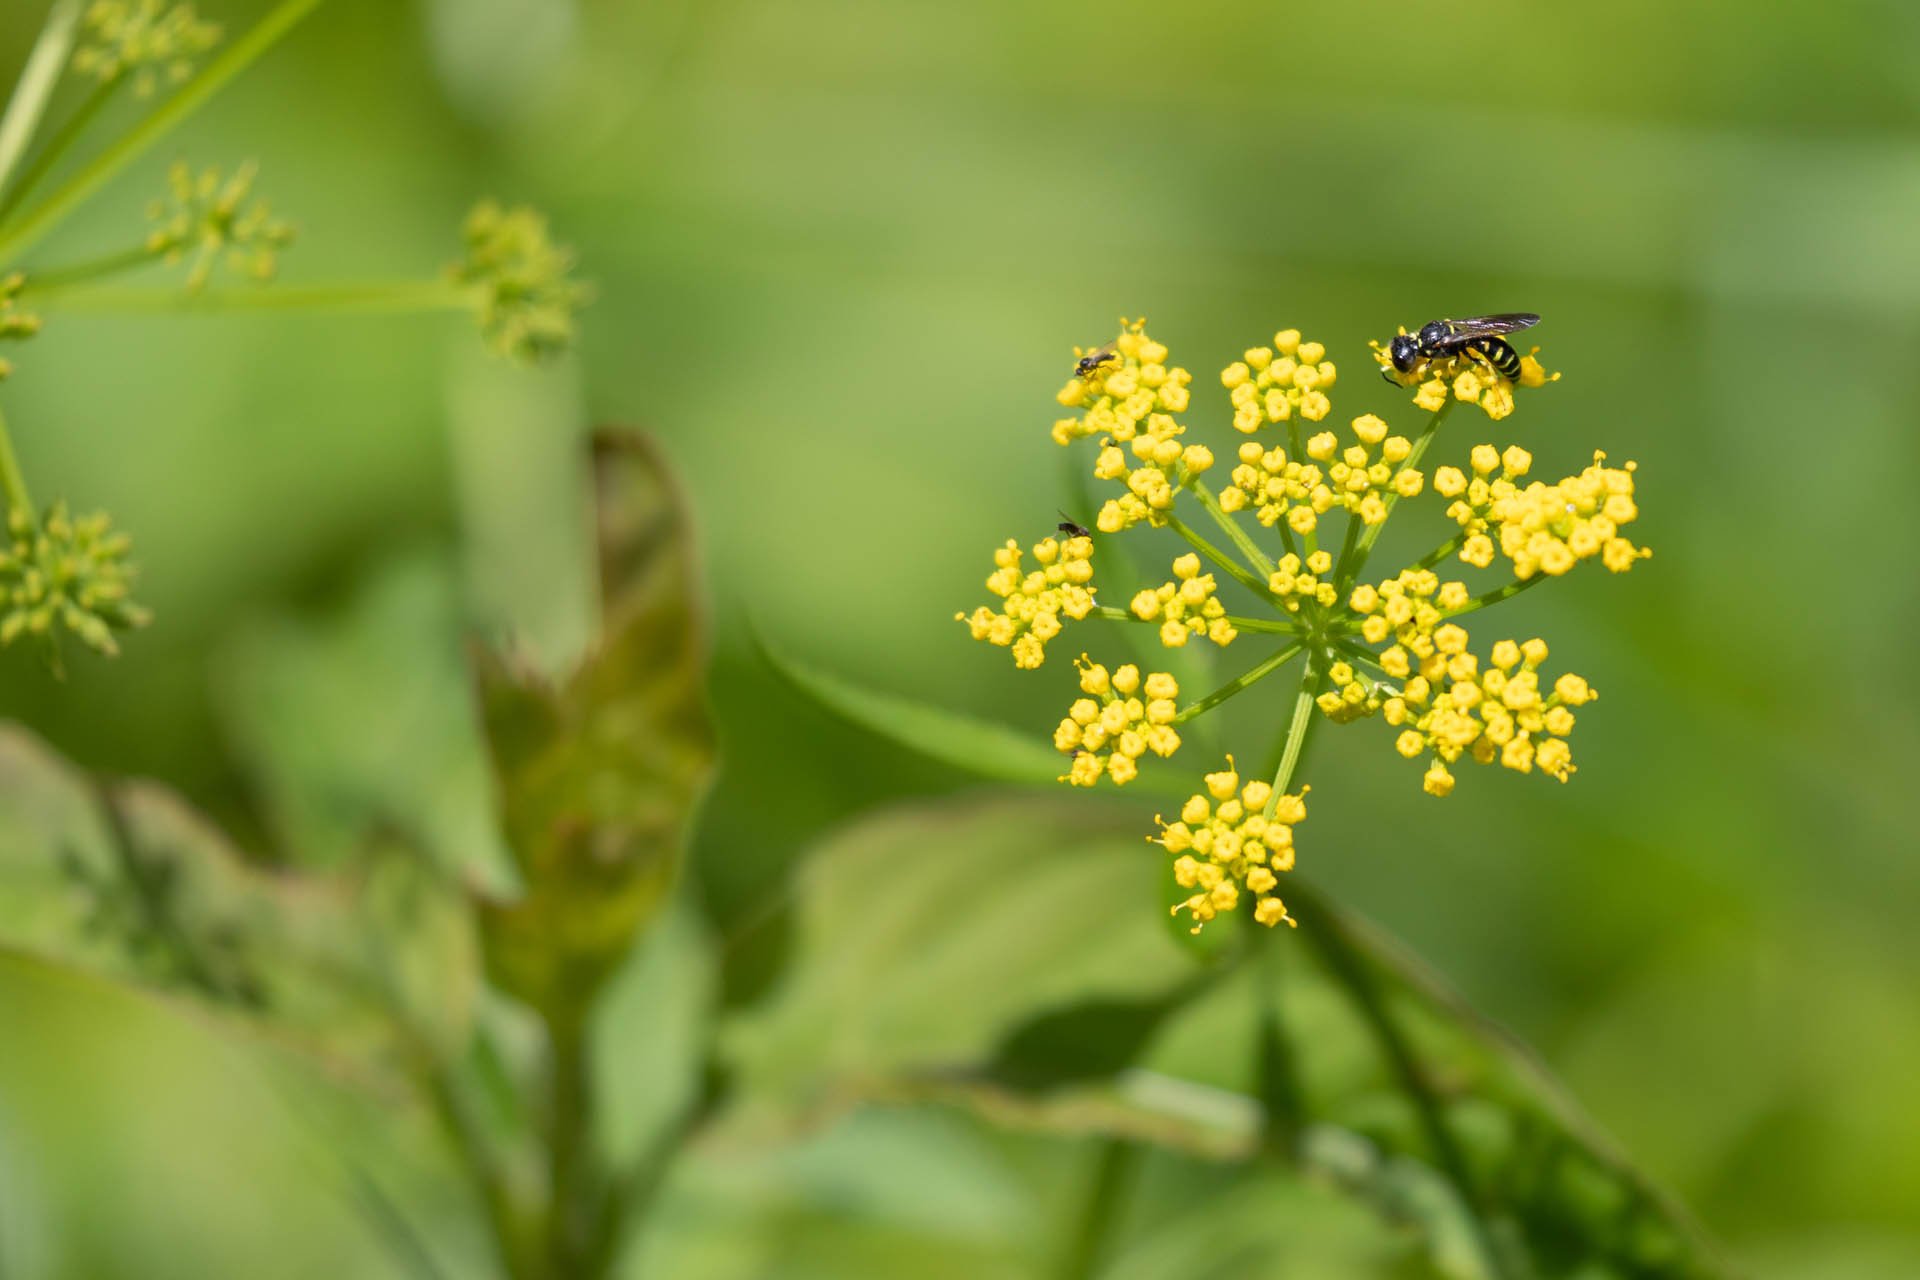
x,y
1389,648
66,575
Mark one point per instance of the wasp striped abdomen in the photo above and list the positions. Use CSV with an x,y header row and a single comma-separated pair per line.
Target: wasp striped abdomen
x,y
1499,353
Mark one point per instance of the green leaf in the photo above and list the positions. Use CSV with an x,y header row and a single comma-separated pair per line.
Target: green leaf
x,y
127,882
966,742
997,957
364,721
597,774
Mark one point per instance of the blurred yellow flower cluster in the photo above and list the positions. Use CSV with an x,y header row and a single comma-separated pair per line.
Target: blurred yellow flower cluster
x,y
1230,839
145,38
1034,600
1131,717
214,218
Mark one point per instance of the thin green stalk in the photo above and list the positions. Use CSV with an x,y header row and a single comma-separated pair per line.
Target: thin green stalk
x,y
37,81
1297,730
1113,1176
570,1187
1442,551
1233,568
60,144
1392,497
385,296
1344,561
1276,1066
1495,596
628,1202
1363,655
11,481
1349,968
1244,681
22,232
478,1162
1266,625
1248,547
48,283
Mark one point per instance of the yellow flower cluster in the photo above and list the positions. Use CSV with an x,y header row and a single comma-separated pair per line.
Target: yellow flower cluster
x,y
209,217
1349,697
1271,384
1128,399
1298,581
1124,390
1186,607
1277,486
1454,708
1466,376
1407,607
1543,528
1107,738
66,573
145,37
1033,601
1226,842
1354,478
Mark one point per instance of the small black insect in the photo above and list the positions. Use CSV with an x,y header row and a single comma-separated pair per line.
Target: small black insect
x,y
1093,360
1072,530
1479,337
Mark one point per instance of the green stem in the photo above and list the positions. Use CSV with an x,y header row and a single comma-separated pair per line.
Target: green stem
x,y
1233,568
1266,625
1350,969
1243,681
384,296
632,1197
1392,496
60,144
1297,731
11,481
1276,1065
478,1162
1442,551
48,283
1248,547
37,82
1113,1175
569,1149
20,233
1495,596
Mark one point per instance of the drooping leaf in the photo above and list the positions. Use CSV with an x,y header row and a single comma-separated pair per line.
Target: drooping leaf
x,y
597,774
126,881
951,737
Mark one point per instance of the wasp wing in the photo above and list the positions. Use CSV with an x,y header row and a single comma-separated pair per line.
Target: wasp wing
x,y
1490,326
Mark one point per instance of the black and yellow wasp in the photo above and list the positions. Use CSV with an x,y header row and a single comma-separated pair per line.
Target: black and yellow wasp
x,y
1479,337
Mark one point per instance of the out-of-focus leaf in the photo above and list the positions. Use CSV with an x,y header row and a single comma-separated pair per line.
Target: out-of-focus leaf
x,y
926,936
597,774
126,881
365,722
943,951
966,742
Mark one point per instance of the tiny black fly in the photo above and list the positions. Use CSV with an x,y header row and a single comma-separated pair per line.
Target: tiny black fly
x,y
1093,360
1479,337
1072,530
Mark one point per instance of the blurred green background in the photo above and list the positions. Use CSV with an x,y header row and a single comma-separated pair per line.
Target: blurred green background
x,y
842,252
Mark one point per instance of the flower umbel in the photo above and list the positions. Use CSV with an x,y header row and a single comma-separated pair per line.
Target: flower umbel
x,y
16,324
66,574
528,298
213,219
149,39
1392,648
1033,602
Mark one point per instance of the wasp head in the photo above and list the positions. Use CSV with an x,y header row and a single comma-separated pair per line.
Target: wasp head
x,y
1404,351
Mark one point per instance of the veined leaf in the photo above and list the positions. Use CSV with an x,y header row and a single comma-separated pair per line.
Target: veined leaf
x,y
126,881
939,947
